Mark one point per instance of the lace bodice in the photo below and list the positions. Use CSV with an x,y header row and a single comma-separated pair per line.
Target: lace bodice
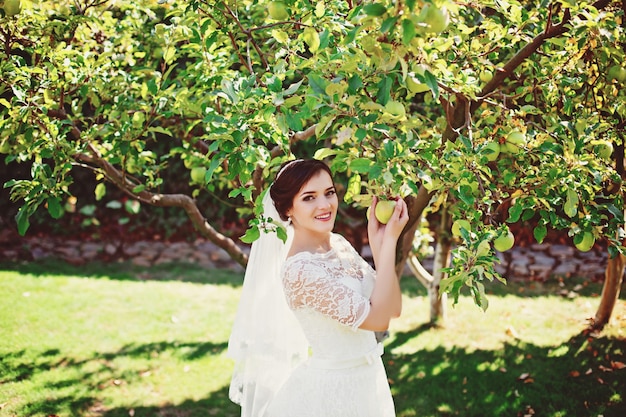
x,y
329,294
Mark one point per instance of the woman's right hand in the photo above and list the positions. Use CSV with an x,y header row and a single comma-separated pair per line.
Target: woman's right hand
x,y
379,233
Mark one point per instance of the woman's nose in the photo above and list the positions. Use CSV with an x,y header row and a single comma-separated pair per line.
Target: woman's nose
x,y
325,202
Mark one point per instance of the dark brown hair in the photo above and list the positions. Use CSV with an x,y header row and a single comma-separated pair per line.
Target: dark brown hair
x,y
290,180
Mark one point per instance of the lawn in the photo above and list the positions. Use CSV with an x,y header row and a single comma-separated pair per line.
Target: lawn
x,y
117,340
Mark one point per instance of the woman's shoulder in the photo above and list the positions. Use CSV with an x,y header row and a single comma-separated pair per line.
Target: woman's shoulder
x,y
304,266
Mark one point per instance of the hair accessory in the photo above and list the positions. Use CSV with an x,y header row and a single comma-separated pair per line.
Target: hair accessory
x,y
288,164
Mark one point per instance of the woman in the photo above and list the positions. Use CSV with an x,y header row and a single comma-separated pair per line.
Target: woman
x,y
303,339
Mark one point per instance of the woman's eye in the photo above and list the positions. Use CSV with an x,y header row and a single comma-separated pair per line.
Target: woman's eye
x,y
331,192
307,198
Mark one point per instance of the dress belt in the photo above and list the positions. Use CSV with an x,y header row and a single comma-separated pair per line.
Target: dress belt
x,y
331,363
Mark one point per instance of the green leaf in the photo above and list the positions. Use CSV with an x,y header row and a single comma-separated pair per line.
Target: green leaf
x,y
466,194
281,233
354,84
292,88
132,206
114,204
317,84
616,212
540,232
55,208
360,165
384,90
480,297
228,88
388,24
431,82
21,219
408,31
374,9
515,211
251,235
571,203
324,152
311,38
353,189
88,210
215,162
100,191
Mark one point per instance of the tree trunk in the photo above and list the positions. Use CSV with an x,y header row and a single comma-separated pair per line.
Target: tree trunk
x,y
442,260
613,277
432,282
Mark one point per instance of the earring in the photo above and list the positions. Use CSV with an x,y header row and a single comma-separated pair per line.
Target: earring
x,y
288,220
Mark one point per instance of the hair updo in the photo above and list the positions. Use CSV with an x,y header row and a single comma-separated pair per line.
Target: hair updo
x,y
290,180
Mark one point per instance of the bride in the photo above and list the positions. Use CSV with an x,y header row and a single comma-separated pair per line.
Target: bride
x,y
303,340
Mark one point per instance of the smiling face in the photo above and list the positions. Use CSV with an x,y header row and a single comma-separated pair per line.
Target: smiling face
x,y
314,207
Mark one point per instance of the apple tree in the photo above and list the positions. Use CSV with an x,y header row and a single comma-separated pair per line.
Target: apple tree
x,y
479,114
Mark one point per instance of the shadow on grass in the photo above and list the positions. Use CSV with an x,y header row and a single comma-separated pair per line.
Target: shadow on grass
x,y
218,404
55,374
581,377
567,287
126,271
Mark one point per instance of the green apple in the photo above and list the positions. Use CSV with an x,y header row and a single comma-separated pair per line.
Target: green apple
x,y
613,72
492,150
4,146
197,174
435,18
12,7
485,75
514,142
277,10
586,242
459,224
504,242
395,108
617,73
384,209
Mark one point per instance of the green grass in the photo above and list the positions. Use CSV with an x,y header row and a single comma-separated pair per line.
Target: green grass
x,y
117,340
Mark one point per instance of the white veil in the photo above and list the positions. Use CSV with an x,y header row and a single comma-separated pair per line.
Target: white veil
x,y
266,341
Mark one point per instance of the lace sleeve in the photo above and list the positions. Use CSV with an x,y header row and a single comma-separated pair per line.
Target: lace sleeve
x,y
307,284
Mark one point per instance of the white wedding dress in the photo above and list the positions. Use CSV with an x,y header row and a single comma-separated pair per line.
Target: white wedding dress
x,y
344,375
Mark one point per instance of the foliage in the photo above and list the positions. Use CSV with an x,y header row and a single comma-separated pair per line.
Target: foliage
x,y
404,98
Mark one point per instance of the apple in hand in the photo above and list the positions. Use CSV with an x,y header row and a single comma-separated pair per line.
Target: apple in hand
x,y
384,210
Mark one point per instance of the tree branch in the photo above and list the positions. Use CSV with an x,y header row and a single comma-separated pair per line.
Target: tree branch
x,y
121,181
